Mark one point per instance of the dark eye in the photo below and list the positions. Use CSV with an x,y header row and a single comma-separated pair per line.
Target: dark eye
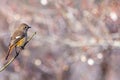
x,y
25,27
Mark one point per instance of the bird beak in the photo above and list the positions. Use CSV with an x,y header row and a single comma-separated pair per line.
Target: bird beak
x,y
29,27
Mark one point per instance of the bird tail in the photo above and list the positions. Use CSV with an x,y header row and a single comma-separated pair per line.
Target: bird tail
x,y
9,51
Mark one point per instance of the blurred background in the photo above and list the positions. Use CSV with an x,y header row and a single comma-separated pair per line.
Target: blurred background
x,y
75,40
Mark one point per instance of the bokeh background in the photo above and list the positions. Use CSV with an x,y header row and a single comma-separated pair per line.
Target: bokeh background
x,y
75,40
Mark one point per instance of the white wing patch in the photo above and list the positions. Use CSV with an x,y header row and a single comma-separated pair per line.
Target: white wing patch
x,y
17,37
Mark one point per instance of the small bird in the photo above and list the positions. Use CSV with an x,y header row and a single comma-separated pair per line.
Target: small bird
x,y
18,39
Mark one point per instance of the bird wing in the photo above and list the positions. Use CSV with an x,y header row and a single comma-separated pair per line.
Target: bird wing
x,y
18,35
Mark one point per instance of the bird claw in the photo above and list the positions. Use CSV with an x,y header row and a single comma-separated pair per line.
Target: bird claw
x,y
22,47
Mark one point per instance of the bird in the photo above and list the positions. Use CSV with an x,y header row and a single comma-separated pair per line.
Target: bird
x,y
18,38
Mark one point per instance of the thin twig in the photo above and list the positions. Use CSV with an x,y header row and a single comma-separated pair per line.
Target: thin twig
x,y
29,39
13,58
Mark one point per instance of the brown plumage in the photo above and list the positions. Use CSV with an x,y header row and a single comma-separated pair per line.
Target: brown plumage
x,y
18,38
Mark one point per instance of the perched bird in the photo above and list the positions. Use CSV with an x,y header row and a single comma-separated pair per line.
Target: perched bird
x,y
18,39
